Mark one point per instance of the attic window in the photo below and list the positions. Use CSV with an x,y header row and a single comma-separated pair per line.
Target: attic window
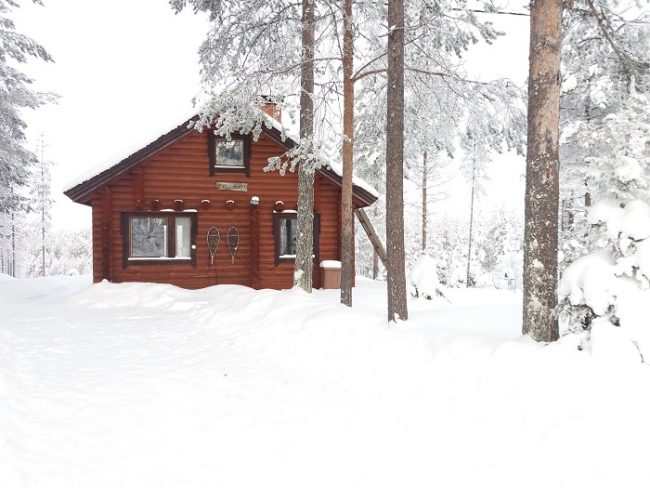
x,y
229,155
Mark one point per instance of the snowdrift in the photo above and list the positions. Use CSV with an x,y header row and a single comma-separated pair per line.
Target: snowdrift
x,y
141,385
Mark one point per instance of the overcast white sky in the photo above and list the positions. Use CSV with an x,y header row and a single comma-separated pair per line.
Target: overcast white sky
x,y
125,70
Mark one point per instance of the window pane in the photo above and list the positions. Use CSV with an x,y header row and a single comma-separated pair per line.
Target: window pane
x,y
148,237
230,154
183,229
288,237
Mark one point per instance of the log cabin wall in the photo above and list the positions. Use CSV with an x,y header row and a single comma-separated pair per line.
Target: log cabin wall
x,y
181,172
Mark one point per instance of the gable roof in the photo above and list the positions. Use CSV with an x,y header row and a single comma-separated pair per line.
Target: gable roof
x,y
80,190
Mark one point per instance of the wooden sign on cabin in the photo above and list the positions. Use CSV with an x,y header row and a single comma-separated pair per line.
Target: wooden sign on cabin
x,y
227,186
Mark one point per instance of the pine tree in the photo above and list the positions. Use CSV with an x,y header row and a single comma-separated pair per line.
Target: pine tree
x,y
397,305
41,198
607,165
15,95
542,171
606,77
305,241
347,218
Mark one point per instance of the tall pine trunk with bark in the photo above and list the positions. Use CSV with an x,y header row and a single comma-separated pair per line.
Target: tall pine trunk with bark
x,y
468,278
305,244
13,244
542,172
347,222
425,197
397,307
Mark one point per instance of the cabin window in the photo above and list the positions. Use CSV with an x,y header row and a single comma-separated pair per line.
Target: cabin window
x,y
285,229
229,155
157,237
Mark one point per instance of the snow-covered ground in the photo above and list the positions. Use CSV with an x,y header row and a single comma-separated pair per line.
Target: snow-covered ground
x,y
140,385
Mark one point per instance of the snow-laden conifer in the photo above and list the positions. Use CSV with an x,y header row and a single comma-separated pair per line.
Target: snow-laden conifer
x,y
16,94
606,81
607,154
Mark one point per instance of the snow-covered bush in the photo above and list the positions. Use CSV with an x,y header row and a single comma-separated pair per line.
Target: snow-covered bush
x,y
612,284
604,157
423,279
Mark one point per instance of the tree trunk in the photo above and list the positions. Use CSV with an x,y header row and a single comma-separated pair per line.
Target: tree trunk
x,y
471,227
375,265
397,307
12,269
42,195
347,222
424,201
375,255
13,243
542,177
305,244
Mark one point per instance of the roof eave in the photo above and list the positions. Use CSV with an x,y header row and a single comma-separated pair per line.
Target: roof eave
x,y
82,191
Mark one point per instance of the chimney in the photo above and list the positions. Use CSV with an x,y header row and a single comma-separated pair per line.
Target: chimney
x,y
271,108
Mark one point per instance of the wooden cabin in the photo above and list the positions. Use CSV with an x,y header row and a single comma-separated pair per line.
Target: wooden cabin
x,y
158,215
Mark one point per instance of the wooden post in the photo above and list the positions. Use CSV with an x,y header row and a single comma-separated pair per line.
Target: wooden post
x,y
255,246
316,274
106,226
339,223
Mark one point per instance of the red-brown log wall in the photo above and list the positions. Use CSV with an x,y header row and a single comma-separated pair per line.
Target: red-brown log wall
x,y
181,171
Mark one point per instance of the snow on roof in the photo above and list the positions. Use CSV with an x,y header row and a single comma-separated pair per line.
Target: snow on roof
x,y
147,138
356,180
284,129
336,167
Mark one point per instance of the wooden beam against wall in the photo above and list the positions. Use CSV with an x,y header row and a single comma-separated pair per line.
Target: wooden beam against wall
x,y
371,233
